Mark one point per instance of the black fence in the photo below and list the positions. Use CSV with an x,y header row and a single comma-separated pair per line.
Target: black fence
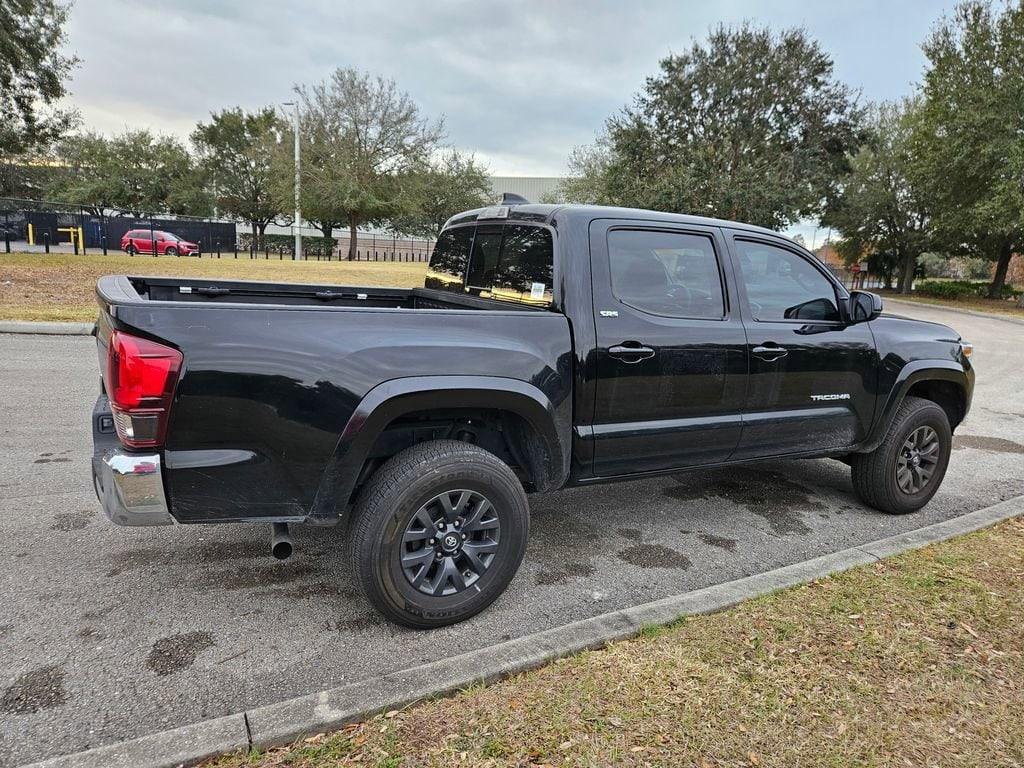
x,y
382,248
858,280
369,247
46,225
39,225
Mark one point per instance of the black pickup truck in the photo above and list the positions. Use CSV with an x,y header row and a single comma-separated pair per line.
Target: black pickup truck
x,y
550,346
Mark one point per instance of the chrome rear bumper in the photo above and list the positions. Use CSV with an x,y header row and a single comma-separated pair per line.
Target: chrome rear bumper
x,y
130,487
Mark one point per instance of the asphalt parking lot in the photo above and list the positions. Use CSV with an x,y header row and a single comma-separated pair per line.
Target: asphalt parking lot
x,y
109,633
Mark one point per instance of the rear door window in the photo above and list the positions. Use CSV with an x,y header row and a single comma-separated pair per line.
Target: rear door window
x,y
673,274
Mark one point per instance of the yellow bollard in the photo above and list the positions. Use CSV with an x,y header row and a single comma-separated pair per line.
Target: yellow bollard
x,y
72,236
81,240
31,235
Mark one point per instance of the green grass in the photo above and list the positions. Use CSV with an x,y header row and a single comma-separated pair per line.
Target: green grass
x,y
61,286
916,660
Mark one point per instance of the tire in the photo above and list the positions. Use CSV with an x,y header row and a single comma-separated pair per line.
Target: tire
x,y
443,580
878,477
130,250
170,251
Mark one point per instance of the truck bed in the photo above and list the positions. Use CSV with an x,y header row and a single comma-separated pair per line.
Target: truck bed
x,y
128,289
273,374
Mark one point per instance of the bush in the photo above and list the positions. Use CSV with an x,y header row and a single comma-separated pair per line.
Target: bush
x,y
949,289
311,245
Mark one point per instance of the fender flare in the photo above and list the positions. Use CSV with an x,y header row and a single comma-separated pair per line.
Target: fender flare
x,y
399,397
911,374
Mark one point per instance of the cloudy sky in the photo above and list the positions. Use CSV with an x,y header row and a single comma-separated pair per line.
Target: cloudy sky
x,y
519,82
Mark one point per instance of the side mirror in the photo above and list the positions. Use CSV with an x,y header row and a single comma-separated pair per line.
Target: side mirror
x,y
864,306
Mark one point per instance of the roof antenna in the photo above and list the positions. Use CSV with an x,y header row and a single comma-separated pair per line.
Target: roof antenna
x,y
511,198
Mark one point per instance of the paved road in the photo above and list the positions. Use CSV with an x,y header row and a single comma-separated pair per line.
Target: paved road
x,y
109,633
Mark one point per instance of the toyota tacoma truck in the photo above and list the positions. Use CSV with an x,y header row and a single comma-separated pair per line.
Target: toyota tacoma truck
x,y
549,346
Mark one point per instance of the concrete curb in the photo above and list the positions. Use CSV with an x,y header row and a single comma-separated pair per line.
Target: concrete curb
x,y
957,310
45,328
329,709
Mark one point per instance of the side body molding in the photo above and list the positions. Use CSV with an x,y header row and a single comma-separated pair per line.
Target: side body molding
x,y
398,397
910,374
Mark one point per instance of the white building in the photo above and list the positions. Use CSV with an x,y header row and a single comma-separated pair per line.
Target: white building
x,y
536,189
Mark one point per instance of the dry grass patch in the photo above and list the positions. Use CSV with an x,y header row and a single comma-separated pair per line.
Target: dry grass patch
x,y
994,306
61,286
915,661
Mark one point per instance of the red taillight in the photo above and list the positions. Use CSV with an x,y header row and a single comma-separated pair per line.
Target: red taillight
x,y
141,376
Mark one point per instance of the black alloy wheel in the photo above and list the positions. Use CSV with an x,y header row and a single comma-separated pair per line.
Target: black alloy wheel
x,y
916,461
450,542
903,473
439,531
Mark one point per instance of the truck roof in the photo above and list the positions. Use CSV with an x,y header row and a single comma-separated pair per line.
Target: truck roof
x,y
546,213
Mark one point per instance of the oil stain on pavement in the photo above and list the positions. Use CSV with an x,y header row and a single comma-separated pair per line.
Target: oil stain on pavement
x,y
305,591
272,575
982,443
132,559
177,652
729,545
654,556
766,494
211,552
71,521
561,574
41,688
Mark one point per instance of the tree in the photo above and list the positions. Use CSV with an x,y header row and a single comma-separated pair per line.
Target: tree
x,y
455,182
880,211
969,136
236,151
749,125
133,172
88,174
33,74
316,210
26,176
368,143
589,173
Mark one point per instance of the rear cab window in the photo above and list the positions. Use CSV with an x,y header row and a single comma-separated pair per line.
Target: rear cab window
x,y
507,262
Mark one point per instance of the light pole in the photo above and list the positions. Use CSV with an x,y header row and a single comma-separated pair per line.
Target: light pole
x,y
296,225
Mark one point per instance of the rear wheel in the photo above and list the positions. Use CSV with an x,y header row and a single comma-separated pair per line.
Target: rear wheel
x,y
439,532
130,249
906,470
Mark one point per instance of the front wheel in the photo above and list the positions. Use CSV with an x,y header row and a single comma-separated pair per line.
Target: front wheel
x,y
905,471
171,251
439,532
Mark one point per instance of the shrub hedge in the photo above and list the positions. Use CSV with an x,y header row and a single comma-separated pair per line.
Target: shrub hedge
x,y
959,289
948,289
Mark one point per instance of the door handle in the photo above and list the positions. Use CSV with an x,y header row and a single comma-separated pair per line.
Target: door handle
x,y
769,353
630,352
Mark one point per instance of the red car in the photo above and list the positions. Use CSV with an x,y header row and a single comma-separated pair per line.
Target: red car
x,y
141,241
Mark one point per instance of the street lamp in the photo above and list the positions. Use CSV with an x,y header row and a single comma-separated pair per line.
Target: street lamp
x,y
296,229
